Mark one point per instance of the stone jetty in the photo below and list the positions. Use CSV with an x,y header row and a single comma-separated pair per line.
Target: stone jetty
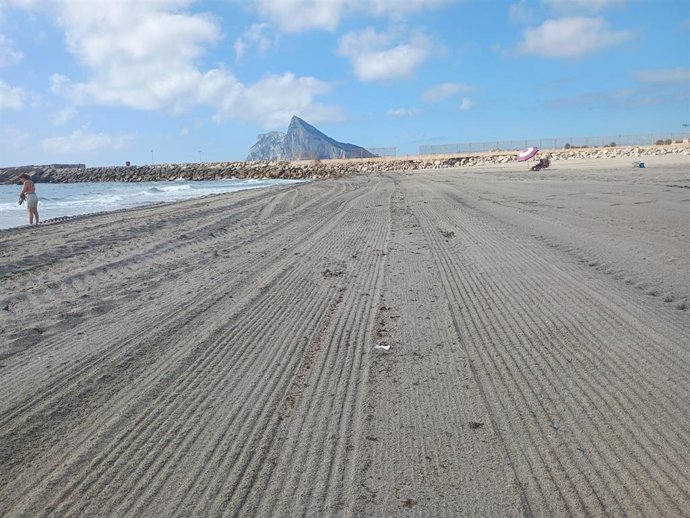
x,y
314,169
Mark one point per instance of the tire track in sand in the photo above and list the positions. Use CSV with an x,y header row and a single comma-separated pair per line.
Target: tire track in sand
x,y
480,277
427,451
330,391
244,384
151,473
202,308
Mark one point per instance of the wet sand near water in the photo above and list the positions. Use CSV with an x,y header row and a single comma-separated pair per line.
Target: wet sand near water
x,y
465,342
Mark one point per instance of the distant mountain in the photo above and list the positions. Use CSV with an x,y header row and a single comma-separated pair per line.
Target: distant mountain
x,y
302,142
269,146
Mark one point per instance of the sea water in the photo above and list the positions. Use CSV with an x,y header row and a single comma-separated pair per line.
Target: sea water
x,y
57,200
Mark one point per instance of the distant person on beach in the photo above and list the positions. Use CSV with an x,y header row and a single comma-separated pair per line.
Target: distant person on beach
x,y
28,194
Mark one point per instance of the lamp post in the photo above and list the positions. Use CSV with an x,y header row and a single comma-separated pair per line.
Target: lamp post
x,y
199,155
152,157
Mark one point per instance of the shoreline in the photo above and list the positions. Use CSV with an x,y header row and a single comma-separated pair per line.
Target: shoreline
x,y
60,201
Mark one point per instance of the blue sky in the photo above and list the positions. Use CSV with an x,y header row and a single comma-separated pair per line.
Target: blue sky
x,y
105,81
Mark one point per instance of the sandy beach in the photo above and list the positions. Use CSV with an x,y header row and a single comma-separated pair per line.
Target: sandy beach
x,y
477,342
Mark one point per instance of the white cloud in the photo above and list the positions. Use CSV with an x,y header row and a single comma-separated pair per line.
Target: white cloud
x,y
665,76
58,82
302,15
275,99
466,104
81,141
255,36
11,97
402,112
570,37
8,54
379,56
140,54
64,115
401,6
145,55
444,91
582,5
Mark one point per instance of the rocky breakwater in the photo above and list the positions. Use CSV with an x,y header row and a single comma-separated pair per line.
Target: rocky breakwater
x,y
168,172
314,169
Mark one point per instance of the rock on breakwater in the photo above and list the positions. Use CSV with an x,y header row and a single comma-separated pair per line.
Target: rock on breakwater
x,y
312,169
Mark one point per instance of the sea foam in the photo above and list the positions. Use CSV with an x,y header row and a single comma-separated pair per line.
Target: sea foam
x,y
60,200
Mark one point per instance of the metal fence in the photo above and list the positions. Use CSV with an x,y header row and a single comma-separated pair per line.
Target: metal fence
x,y
383,151
646,139
376,151
556,143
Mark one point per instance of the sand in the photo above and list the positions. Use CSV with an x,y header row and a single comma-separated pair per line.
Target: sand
x,y
475,342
